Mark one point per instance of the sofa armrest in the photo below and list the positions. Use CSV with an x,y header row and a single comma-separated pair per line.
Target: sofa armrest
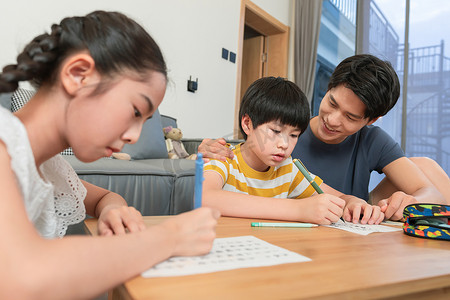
x,y
191,145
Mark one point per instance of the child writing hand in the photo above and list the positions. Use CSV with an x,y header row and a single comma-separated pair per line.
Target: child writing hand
x,y
261,181
98,78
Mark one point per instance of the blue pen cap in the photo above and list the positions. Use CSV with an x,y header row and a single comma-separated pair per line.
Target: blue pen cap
x,y
199,159
198,181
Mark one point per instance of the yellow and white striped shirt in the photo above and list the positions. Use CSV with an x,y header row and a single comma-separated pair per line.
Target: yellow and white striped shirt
x,y
282,181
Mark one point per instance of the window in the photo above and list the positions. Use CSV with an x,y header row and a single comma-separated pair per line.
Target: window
x,y
428,109
384,38
336,42
381,32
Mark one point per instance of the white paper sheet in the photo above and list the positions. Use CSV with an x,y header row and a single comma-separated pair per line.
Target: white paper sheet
x,y
360,228
226,254
395,223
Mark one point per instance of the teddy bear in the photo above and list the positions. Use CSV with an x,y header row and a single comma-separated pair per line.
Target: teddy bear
x,y
174,145
121,155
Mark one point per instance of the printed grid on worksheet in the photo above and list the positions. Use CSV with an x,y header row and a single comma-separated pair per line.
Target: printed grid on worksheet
x,y
226,254
363,229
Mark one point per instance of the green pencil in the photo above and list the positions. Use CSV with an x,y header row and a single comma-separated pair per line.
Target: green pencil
x,y
308,177
270,224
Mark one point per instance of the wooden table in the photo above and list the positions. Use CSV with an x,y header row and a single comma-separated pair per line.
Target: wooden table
x,y
344,266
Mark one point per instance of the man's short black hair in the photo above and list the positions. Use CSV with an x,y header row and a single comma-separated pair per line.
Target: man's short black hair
x,y
373,80
275,99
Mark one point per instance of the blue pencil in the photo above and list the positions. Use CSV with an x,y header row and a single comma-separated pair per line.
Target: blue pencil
x,y
198,181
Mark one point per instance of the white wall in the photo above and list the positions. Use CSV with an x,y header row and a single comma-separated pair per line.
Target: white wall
x,y
279,9
191,34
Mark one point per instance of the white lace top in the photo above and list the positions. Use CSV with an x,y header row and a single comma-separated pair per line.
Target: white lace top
x,y
52,201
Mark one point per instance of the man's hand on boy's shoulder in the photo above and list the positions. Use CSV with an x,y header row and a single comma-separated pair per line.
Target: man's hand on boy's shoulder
x,y
215,149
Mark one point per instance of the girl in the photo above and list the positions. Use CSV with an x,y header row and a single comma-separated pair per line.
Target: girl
x,y
99,77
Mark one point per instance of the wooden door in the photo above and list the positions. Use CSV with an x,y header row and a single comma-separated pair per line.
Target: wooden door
x,y
252,62
277,59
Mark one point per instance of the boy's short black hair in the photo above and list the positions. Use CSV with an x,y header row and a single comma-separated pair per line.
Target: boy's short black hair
x,y
373,80
275,99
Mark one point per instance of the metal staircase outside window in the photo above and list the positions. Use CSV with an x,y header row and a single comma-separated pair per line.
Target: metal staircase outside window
x,y
428,113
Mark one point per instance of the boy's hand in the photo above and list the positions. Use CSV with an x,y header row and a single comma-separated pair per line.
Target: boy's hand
x,y
215,149
393,206
359,211
117,219
322,209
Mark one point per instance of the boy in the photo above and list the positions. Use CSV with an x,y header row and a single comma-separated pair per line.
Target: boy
x,y
274,112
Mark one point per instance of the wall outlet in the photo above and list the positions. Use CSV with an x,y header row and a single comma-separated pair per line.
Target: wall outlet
x,y
192,86
224,53
232,57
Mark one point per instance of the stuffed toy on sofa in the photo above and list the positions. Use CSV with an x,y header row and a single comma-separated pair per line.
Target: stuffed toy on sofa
x,y
175,146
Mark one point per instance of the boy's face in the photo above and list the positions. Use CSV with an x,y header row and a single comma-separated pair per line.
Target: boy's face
x,y
341,114
269,144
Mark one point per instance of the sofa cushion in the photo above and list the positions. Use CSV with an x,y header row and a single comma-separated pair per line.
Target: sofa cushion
x,y
5,100
151,143
168,121
106,166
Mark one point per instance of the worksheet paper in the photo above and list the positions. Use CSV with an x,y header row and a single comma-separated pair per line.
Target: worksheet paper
x,y
395,223
363,229
226,254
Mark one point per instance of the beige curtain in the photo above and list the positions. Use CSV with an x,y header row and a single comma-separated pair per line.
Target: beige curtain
x,y
307,28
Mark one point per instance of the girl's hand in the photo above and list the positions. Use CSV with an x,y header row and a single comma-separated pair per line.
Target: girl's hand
x,y
118,219
194,231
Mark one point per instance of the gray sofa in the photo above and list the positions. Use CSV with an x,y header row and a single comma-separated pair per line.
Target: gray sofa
x,y
157,186
151,182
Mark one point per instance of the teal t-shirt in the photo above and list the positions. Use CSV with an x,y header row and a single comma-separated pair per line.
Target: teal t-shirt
x,y
346,167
